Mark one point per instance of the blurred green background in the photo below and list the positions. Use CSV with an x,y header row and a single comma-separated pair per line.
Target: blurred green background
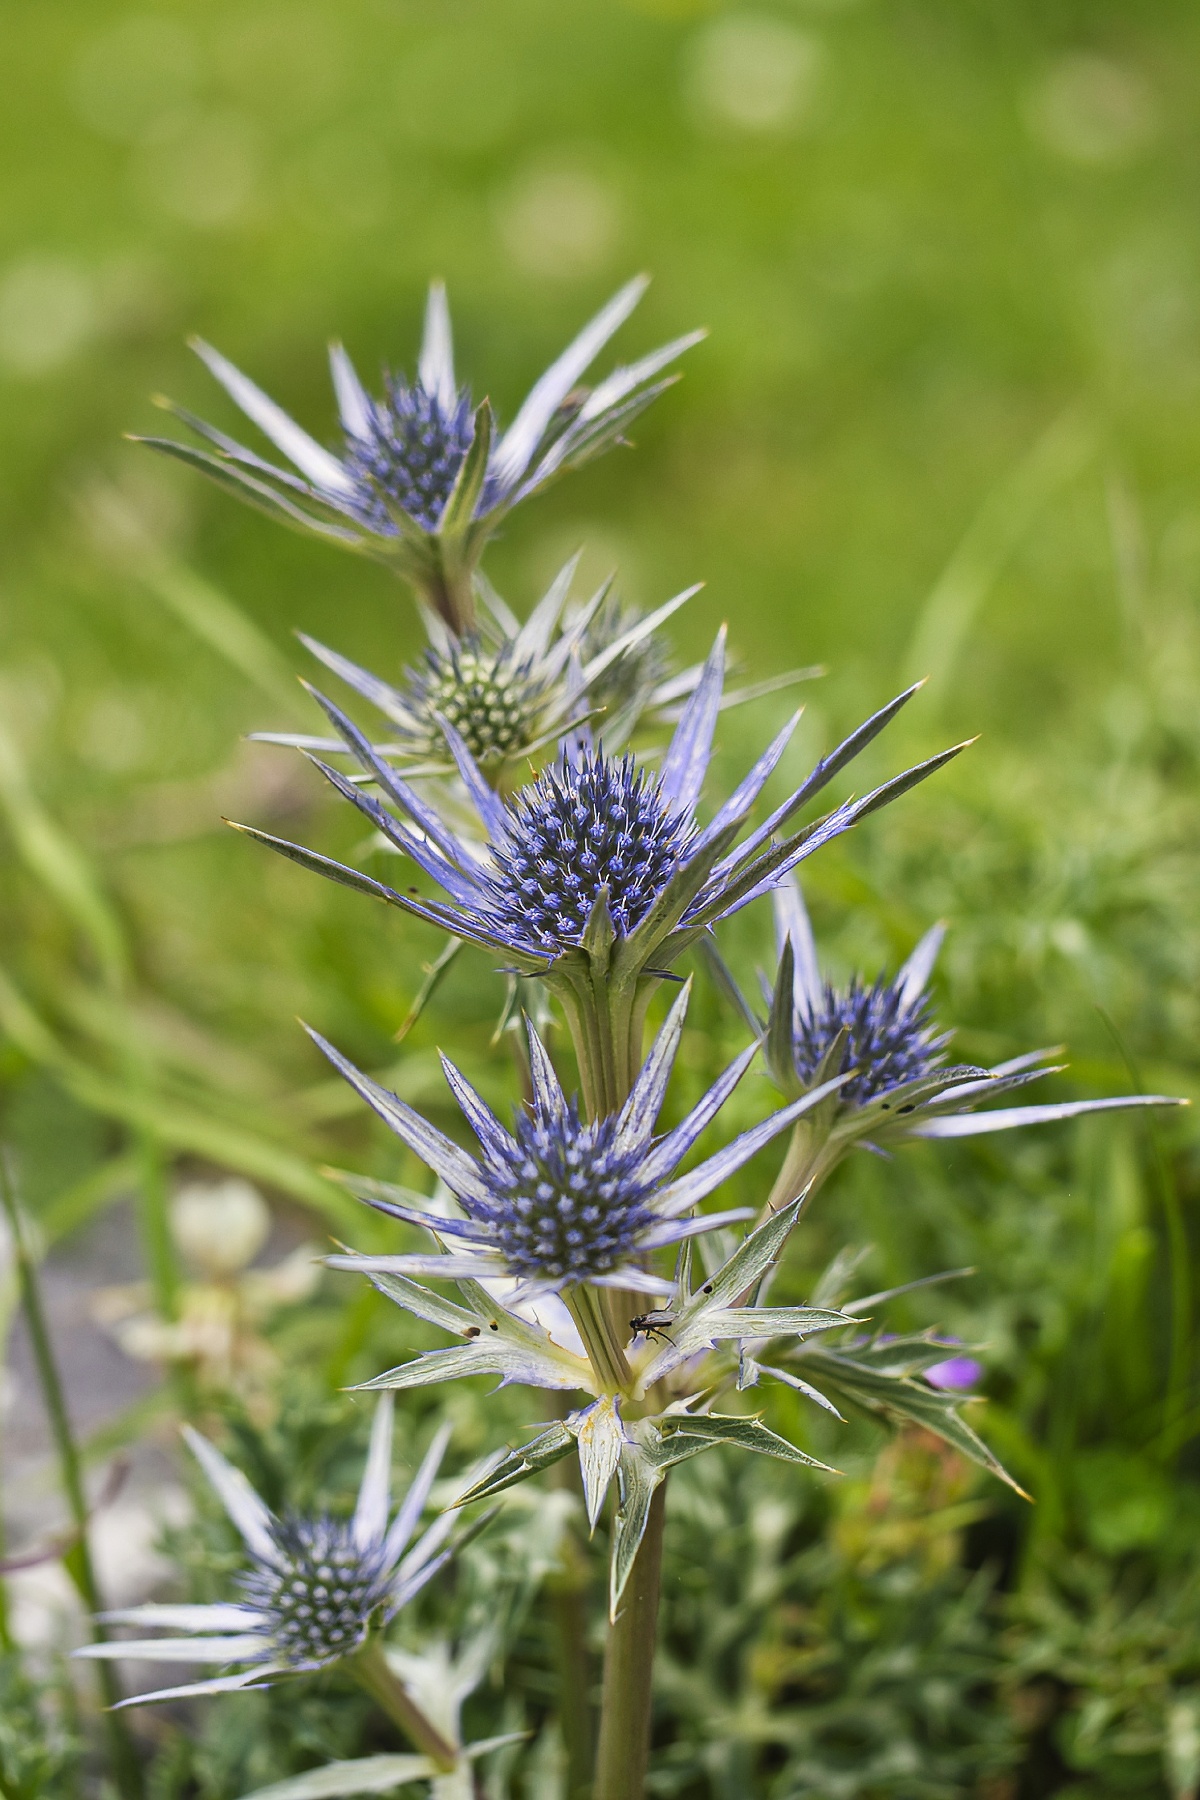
x,y
947,423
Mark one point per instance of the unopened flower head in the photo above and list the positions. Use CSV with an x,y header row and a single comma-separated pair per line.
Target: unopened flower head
x,y
487,695
511,691
421,481
316,1588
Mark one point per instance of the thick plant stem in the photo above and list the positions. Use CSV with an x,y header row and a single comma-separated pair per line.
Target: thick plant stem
x,y
372,1671
126,1769
567,1590
810,1157
604,1352
567,1594
624,1749
450,592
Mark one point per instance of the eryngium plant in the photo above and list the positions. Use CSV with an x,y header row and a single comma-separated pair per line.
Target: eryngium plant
x,y
573,1250
512,690
422,479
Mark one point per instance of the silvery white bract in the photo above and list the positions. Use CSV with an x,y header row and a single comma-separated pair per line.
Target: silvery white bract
x,y
422,480
315,1588
898,1084
600,874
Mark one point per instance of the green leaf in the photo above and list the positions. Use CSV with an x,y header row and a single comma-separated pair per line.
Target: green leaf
x,y
900,1398
253,492
599,934
778,1049
423,1303
735,1278
709,1429
549,1447
498,1343
601,1438
362,1775
770,1321
639,1474
459,510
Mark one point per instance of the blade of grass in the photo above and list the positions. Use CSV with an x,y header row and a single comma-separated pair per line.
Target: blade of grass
x,y
173,1123
56,861
1175,1398
221,624
990,540
77,1561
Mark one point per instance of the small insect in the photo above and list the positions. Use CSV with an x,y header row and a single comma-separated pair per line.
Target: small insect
x,y
651,1325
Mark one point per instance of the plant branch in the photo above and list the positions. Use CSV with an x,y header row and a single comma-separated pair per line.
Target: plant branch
x,y
372,1671
624,1749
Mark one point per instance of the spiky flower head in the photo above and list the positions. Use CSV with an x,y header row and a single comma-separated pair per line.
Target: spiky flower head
x,y
487,695
511,691
598,876
404,453
593,828
883,1038
421,481
559,1201
319,1596
886,1034
316,1588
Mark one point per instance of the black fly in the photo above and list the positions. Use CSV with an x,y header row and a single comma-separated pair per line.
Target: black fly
x,y
652,1325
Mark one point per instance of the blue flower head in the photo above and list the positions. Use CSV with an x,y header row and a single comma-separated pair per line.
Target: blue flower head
x,y
594,825
882,1037
599,874
558,1201
422,480
407,450
315,1589
886,1031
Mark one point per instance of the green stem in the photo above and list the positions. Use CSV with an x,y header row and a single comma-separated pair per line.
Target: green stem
x,y
811,1156
624,1750
372,1671
604,1349
450,591
607,1020
78,1560
567,1590
606,1024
